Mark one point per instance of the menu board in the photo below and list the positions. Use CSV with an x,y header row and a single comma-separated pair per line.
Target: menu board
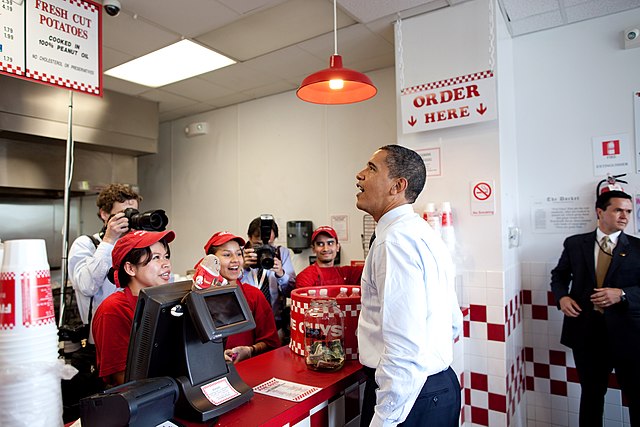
x,y
56,42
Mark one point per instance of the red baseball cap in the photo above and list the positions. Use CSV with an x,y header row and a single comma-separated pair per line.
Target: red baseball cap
x,y
135,240
326,230
222,237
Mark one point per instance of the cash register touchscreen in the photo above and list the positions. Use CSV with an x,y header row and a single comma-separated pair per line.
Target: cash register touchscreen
x,y
179,332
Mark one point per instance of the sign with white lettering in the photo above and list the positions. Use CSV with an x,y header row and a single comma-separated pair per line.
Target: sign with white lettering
x,y
611,155
450,102
56,42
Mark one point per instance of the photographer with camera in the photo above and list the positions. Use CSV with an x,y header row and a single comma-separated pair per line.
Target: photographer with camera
x,y
270,269
90,256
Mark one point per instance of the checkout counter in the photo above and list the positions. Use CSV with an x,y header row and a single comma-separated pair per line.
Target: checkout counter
x,y
336,404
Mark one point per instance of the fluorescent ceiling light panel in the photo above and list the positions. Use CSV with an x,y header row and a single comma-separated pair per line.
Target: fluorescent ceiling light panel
x,y
170,64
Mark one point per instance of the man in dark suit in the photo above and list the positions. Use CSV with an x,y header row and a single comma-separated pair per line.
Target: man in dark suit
x,y
597,286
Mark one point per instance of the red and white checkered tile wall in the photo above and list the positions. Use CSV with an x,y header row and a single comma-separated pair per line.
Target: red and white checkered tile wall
x,y
517,373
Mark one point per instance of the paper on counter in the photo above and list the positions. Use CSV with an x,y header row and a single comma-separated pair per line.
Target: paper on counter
x,y
286,390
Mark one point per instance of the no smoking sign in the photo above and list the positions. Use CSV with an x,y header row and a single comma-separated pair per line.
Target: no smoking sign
x,y
483,201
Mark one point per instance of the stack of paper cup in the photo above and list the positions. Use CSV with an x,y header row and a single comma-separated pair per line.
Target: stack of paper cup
x,y
30,393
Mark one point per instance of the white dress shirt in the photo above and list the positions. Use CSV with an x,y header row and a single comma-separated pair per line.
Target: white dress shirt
x,y
88,268
277,285
613,238
410,313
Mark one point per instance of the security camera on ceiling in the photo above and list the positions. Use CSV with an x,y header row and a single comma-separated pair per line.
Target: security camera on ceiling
x,y
632,37
112,7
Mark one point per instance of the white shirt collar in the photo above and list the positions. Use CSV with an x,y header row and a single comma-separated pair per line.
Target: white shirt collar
x,y
613,237
390,216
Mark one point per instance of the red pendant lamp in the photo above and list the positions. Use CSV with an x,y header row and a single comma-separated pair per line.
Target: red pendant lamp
x,y
336,85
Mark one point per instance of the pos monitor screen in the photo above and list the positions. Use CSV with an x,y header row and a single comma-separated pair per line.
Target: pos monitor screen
x,y
178,332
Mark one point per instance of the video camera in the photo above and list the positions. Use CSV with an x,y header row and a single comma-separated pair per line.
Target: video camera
x,y
155,220
265,252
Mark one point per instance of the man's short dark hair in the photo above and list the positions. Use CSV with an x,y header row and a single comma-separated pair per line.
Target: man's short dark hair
x,y
405,163
604,199
113,193
254,228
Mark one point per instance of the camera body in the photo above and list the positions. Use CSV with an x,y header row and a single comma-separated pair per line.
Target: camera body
x,y
154,220
112,7
73,333
265,252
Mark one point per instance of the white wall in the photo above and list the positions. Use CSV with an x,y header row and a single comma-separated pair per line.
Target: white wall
x,y
468,153
275,155
572,83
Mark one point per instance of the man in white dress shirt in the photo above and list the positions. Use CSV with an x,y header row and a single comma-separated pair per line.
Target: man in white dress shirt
x,y
410,315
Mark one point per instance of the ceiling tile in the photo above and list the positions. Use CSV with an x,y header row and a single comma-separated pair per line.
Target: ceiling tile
x,y
272,89
188,20
595,8
537,23
188,110
521,9
365,11
197,89
243,7
238,77
112,58
123,86
283,25
287,62
134,36
235,98
283,41
168,101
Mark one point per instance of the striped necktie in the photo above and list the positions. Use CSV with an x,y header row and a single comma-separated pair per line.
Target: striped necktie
x,y
263,280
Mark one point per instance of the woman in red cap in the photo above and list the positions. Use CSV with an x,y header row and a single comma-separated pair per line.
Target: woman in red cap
x,y
140,260
228,248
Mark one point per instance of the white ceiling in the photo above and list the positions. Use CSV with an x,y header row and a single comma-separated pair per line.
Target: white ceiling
x,y
277,43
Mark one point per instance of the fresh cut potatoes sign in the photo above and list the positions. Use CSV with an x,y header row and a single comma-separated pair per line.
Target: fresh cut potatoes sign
x,y
56,42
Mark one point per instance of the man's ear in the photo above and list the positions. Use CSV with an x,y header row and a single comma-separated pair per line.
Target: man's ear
x,y
399,185
104,215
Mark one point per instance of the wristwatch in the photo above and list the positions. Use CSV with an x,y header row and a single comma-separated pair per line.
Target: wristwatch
x,y
623,296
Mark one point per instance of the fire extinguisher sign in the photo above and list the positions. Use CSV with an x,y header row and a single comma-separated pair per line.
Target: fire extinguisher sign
x,y
611,154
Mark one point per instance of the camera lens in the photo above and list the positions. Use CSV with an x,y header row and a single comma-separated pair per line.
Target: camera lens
x,y
265,255
155,220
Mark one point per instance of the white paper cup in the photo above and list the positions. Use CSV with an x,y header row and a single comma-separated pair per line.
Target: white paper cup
x,y
26,299
33,402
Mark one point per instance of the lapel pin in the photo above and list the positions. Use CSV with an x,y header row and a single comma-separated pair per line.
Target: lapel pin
x,y
623,254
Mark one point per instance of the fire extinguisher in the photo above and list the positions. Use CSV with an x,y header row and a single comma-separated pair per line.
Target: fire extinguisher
x,y
612,184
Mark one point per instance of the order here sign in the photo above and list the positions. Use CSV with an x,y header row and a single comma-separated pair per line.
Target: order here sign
x,y
56,42
450,102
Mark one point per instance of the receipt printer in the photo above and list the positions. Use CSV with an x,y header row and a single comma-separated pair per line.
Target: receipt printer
x,y
145,403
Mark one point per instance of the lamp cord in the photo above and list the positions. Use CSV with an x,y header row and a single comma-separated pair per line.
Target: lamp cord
x,y
335,27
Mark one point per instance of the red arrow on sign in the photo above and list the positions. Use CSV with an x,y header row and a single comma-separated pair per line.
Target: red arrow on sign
x,y
412,121
482,109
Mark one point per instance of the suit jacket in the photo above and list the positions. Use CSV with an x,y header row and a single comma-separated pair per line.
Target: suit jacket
x,y
575,275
